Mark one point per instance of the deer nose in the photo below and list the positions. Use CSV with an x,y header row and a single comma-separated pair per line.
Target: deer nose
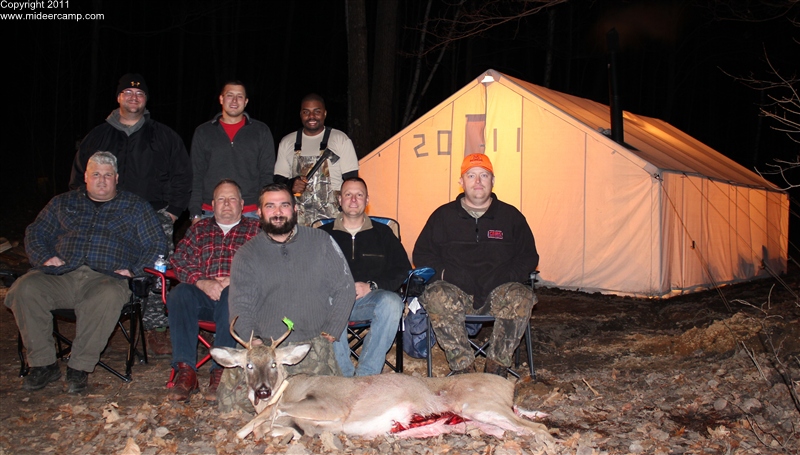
x,y
263,392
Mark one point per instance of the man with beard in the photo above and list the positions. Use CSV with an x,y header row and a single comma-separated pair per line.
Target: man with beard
x,y
295,272
297,154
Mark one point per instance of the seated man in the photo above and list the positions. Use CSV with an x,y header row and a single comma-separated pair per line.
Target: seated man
x,y
202,261
482,249
82,246
295,272
379,265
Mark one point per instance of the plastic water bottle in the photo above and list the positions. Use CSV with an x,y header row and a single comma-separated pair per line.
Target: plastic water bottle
x,y
161,266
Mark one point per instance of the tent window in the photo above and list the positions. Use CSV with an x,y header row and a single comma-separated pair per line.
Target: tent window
x,y
473,142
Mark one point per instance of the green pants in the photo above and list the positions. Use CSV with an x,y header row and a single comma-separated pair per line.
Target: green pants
x,y
96,298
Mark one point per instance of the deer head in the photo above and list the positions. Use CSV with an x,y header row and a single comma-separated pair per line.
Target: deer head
x,y
263,365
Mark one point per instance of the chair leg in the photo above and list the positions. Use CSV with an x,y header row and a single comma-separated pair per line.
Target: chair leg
x,y
428,335
140,316
23,363
398,341
529,347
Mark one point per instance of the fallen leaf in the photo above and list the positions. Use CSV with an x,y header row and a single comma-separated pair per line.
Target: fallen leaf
x,y
131,448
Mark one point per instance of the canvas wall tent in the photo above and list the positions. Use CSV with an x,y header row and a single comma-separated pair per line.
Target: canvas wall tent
x,y
661,216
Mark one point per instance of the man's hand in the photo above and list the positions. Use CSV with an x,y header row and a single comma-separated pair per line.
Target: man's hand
x,y
124,272
225,281
195,220
299,185
54,261
362,289
172,217
328,337
212,288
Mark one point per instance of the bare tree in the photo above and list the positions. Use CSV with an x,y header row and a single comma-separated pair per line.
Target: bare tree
x,y
358,80
461,20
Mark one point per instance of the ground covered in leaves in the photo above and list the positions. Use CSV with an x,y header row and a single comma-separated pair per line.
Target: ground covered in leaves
x,y
712,372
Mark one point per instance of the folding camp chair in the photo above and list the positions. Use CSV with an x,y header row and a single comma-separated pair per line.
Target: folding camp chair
x,y
356,329
168,280
480,350
132,311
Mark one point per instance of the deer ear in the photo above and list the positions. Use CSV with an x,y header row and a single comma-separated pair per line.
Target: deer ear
x,y
292,355
229,357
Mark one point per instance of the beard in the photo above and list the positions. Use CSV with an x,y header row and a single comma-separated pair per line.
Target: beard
x,y
270,228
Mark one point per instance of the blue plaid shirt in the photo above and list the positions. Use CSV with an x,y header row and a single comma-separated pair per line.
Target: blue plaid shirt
x,y
122,233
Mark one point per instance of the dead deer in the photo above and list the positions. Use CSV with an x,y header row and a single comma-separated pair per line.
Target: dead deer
x,y
369,406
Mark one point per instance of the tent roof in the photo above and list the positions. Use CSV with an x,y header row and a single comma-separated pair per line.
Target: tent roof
x,y
657,142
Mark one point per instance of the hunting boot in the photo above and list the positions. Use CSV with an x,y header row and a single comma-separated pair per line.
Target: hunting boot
x,y
39,377
469,369
493,367
185,383
77,381
213,385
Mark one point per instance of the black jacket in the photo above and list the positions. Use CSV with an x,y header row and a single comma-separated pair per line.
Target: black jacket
x,y
152,162
374,253
477,255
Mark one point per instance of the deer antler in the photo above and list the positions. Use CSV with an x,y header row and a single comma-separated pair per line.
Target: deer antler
x,y
236,337
283,337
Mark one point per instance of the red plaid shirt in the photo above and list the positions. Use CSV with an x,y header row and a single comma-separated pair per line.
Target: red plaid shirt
x,y
206,253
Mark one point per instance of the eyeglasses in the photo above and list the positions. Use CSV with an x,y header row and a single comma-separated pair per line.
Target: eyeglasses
x,y
133,94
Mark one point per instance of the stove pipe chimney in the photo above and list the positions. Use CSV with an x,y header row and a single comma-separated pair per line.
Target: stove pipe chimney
x,y
617,134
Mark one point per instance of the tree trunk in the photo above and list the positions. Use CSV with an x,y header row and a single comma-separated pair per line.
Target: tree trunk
x,y
382,97
357,81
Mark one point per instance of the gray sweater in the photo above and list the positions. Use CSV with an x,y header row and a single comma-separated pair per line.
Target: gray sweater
x,y
306,279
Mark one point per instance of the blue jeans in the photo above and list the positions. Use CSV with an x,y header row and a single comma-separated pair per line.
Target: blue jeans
x,y
384,309
186,305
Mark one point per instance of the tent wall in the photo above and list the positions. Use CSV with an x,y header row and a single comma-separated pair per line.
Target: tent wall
x,y
605,217
717,233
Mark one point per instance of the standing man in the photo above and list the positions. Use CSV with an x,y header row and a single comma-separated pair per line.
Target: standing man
x,y
297,154
295,272
82,246
379,264
153,164
152,159
482,250
231,146
202,261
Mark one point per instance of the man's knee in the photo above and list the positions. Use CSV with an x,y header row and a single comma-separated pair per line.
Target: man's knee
x,y
442,297
390,305
512,301
180,296
23,289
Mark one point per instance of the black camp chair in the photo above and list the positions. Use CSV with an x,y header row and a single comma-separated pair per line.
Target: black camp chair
x,y
480,350
132,311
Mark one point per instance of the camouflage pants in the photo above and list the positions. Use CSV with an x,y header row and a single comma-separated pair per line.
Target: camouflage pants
x,y
312,206
320,361
169,229
447,305
154,315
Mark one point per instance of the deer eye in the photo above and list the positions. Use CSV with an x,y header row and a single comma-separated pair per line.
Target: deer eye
x,y
274,365
249,366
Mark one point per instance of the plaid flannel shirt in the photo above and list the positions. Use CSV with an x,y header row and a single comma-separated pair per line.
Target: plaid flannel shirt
x,y
120,234
206,253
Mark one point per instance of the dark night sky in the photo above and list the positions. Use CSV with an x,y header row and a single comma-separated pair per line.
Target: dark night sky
x,y
673,62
